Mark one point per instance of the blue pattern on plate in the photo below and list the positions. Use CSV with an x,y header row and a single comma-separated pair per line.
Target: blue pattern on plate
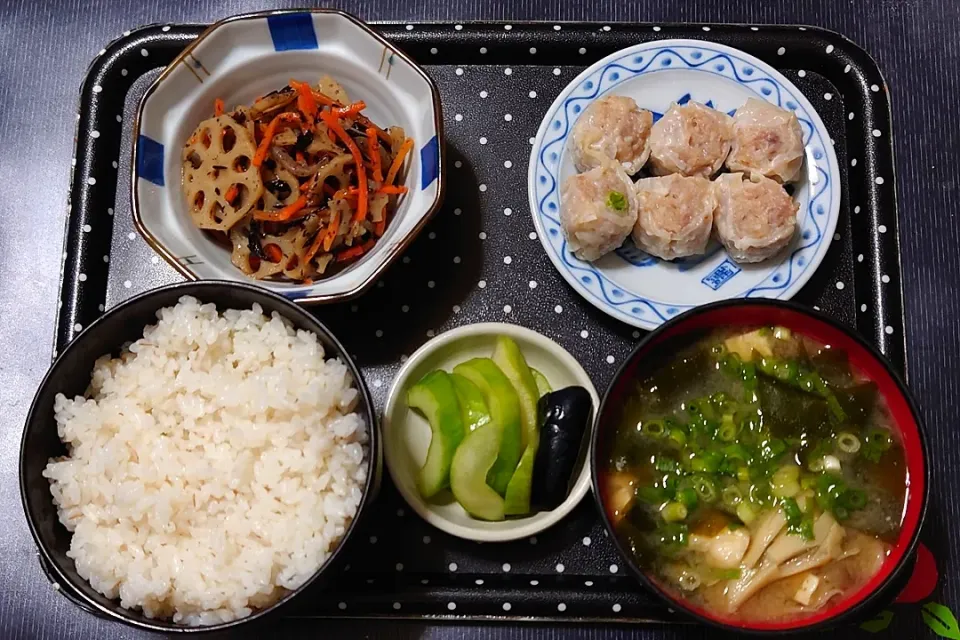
x,y
633,254
292,31
430,161
150,160
600,287
721,275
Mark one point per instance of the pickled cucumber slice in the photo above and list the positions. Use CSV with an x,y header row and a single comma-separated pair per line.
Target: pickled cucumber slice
x,y
543,386
436,398
504,406
509,358
474,459
473,407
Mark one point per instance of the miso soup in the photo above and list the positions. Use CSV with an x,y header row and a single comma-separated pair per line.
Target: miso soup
x,y
755,474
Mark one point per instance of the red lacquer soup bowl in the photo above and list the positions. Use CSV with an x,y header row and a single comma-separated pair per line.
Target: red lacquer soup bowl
x,y
865,360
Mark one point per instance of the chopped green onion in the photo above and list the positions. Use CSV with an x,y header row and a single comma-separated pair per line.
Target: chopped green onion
x,y
726,574
746,513
831,464
687,497
653,428
786,490
876,442
672,535
847,442
673,512
705,488
743,474
617,201
650,495
772,449
678,437
664,464
854,499
737,451
791,510
731,496
786,473
728,428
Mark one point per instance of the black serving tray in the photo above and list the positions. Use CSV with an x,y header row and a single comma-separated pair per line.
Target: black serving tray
x,y
455,273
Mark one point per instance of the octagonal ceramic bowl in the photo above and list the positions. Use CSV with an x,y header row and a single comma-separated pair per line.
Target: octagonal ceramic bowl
x,y
240,58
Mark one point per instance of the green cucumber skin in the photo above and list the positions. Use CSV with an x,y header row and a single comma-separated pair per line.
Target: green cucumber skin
x,y
472,405
543,385
509,358
474,458
504,408
516,502
435,397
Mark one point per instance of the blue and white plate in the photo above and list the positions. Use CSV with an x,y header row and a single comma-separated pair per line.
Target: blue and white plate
x,y
629,284
246,56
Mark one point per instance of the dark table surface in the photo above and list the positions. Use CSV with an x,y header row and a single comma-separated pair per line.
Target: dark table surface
x,y
45,48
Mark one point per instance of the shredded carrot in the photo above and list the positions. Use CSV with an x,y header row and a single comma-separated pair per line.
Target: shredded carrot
x,y
349,192
305,100
287,213
353,192
331,233
271,131
355,252
324,238
350,111
365,122
273,252
373,145
218,107
231,193
398,161
334,125
300,156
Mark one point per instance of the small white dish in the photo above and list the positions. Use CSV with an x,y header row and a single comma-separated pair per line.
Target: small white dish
x,y
639,289
242,57
406,434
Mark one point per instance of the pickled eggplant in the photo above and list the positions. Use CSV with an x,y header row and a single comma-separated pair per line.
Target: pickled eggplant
x,y
436,398
504,408
564,417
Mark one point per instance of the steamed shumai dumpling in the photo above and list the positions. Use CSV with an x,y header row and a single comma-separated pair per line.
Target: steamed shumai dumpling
x,y
754,218
614,127
690,139
767,141
598,209
674,215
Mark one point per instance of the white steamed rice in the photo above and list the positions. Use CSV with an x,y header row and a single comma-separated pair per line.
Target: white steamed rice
x,y
213,466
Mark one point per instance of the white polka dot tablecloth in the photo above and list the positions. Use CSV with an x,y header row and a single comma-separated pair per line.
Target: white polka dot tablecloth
x,y
481,260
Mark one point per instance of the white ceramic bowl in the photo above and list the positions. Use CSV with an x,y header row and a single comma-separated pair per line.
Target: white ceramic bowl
x,y
246,56
406,434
